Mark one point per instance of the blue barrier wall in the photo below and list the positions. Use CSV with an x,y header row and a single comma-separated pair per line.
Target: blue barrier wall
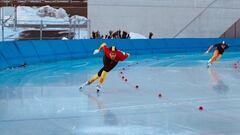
x,y
11,54
17,53
28,52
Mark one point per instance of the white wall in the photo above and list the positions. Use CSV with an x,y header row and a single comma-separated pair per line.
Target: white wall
x,y
165,18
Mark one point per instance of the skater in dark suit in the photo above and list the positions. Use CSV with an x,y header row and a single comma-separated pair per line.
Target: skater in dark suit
x,y
220,48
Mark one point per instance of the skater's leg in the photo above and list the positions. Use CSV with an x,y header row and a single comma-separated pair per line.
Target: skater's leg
x,y
219,56
108,66
93,78
104,72
101,80
215,57
103,77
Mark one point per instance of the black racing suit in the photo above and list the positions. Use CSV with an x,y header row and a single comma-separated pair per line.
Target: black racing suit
x,y
219,47
108,65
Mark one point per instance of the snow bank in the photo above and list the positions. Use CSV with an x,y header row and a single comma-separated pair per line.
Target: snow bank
x,y
136,36
52,12
78,19
49,15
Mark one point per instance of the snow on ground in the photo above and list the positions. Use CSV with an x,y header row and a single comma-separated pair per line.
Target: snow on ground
x,y
136,36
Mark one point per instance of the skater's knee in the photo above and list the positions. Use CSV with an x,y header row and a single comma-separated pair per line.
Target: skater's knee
x,y
214,58
100,72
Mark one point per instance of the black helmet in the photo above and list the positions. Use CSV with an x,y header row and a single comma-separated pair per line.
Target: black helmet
x,y
113,48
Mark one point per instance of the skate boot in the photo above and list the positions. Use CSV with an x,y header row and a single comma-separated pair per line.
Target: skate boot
x,y
98,88
83,85
208,65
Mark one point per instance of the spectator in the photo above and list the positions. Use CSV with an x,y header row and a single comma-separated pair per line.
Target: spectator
x,y
114,35
150,35
106,36
124,34
128,36
98,34
93,35
110,34
119,34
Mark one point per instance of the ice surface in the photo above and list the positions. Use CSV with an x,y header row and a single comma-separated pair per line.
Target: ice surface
x,y
44,98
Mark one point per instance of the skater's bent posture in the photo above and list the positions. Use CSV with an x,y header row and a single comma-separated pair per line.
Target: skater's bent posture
x,y
110,59
220,47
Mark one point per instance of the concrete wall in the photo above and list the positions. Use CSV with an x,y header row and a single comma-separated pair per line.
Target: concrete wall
x,y
165,18
17,53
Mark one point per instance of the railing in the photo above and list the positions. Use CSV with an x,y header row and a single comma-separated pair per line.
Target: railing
x,y
27,2
44,30
72,7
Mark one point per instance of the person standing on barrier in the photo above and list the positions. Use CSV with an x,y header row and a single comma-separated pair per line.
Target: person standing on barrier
x,y
110,59
220,48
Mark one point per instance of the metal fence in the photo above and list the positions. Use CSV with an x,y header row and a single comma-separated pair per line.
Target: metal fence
x,y
43,30
34,1
13,28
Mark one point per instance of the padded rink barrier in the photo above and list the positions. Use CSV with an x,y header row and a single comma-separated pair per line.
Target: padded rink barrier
x,y
11,54
44,50
3,63
60,49
16,53
76,49
28,52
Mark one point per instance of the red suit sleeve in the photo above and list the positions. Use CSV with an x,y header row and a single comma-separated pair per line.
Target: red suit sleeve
x,y
121,56
106,50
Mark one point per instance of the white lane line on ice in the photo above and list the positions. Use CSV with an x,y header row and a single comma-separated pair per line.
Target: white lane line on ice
x,y
80,65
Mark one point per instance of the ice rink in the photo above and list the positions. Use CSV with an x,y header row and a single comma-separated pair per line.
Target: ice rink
x,y
163,95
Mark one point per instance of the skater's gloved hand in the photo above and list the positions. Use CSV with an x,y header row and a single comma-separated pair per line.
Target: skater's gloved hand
x,y
207,52
128,54
95,51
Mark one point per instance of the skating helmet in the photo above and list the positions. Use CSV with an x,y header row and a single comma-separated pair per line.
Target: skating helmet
x,y
113,48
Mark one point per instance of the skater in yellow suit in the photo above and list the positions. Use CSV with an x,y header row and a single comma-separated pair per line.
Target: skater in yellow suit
x,y
110,59
220,47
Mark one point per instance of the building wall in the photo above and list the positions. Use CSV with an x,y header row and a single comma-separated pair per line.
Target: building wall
x,y
165,18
